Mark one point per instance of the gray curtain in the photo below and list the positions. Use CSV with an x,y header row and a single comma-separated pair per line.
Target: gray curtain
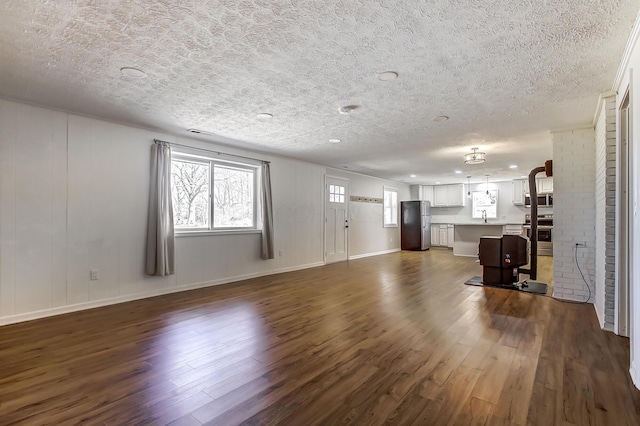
x,y
160,249
267,214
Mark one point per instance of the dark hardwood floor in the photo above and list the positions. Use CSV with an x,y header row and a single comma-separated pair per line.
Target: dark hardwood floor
x,y
394,339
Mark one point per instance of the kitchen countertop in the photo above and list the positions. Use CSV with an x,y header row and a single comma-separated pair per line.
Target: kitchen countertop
x,y
478,223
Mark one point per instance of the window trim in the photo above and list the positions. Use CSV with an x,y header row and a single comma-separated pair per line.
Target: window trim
x,y
478,208
212,162
386,189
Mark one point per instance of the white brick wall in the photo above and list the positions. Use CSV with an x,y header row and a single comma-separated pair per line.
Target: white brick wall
x,y
600,194
605,195
574,213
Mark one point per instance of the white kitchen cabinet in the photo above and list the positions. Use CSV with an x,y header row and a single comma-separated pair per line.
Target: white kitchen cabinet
x,y
443,235
456,194
512,229
440,196
545,185
435,235
422,193
448,195
427,193
518,190
450,236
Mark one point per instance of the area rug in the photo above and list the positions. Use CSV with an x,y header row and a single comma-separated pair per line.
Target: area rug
x,y
532,286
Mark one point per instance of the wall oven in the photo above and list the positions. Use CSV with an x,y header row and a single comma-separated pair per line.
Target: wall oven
x,y
545,233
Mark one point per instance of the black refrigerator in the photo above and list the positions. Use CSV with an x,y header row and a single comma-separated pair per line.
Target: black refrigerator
x,y
415,225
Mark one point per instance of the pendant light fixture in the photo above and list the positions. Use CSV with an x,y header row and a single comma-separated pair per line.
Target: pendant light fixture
x,y
487,184
469,187
474,157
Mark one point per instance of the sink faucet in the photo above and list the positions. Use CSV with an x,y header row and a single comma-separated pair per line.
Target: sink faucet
x,y
484,215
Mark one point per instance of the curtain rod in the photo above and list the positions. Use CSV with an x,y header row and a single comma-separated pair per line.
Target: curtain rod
x,y
210,150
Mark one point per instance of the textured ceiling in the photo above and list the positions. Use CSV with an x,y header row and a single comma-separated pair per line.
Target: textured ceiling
x,y
506,72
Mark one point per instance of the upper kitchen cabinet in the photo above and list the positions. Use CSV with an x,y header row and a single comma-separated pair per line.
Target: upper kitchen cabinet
x,y
427,193
448,195
519,187
545,185
422,193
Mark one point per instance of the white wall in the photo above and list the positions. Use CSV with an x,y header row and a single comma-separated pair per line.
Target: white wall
x,y
507,212
367,235
74,197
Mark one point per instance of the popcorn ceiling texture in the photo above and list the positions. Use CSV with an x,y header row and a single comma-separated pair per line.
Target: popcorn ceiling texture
x,y
505,72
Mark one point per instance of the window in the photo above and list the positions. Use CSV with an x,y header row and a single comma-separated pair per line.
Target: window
x,y
390,207
336,194
212,195
485,204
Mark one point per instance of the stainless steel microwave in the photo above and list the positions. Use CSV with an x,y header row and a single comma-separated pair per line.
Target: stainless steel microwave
x,y
544,200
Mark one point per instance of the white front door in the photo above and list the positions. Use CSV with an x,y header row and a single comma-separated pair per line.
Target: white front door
x,y
336,219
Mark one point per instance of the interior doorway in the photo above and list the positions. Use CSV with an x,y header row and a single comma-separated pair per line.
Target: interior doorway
x,y
336,219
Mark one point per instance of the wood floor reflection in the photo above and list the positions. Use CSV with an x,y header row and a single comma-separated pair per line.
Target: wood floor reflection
x,y
394,339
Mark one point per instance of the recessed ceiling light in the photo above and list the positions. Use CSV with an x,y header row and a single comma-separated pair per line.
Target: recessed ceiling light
x,y
440,118
335,140
524,177
437,183
387,75
264,115
513,166
412,175
458,172
132,72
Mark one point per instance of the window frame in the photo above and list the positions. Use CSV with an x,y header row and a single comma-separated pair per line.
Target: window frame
x,y
476,209
213,162
386,189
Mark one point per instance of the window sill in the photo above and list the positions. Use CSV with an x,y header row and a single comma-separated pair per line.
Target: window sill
x,y
222,232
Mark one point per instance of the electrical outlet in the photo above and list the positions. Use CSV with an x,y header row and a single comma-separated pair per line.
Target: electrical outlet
x,y
280,253
95,274
581,244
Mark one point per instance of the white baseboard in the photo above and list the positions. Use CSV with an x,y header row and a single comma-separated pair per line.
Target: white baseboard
x,y
29,316
375,253
600,317
635,375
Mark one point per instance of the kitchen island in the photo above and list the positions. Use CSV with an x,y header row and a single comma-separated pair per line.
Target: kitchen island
x,y
466,235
